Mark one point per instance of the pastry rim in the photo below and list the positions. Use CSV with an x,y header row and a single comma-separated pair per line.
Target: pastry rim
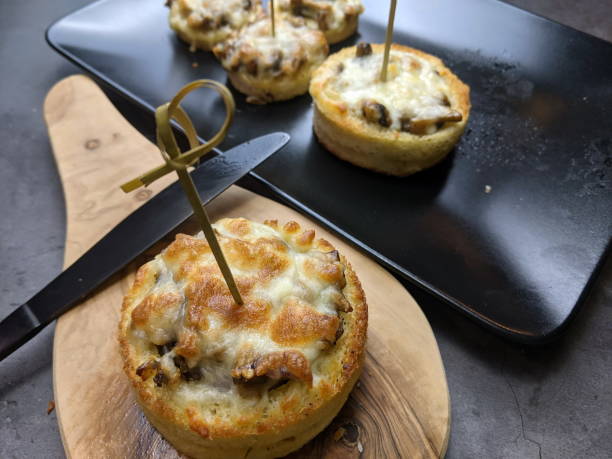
x,y
352,354
381,149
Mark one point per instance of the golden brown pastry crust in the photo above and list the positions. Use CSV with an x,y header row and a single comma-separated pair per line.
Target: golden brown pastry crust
x,y
337,19
267,69
263,419
348,28
204,23
376,147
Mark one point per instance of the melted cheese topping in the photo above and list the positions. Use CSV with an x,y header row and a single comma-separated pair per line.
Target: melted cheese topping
x,y
292,287
328,14
255,51
413,89
213,17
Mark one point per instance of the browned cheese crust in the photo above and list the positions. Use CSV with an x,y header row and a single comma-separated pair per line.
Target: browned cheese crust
x,y
372,137
267,68
219,380
204,23
337,19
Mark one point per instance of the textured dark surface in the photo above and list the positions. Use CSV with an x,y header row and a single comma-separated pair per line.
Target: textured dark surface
x,y
535,141
507,401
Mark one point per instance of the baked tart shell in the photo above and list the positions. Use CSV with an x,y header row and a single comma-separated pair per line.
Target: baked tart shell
x,y
295,412
370,146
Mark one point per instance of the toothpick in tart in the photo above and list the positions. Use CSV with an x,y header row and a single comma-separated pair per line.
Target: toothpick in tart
x,y
272,68
257,380
403,125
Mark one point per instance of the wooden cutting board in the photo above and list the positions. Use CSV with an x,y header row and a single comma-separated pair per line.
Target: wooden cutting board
x,y
401,405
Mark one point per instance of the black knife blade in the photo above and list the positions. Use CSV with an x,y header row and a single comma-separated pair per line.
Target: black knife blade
x,y
135,234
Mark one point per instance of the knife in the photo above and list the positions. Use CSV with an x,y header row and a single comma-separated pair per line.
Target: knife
x,y
135,234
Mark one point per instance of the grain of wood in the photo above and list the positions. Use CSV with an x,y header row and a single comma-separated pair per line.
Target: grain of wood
x,y
400,407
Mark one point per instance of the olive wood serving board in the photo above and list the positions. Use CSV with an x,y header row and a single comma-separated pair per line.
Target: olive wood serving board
x,y
401,405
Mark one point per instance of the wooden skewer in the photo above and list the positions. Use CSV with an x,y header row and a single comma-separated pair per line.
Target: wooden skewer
x,y
179,162
388,39
202,217
272,18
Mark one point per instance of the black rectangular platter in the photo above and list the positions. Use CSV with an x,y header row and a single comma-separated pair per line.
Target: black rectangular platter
x,y
509,229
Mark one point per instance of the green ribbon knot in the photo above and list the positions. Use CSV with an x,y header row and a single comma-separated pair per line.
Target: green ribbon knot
x,y
179,162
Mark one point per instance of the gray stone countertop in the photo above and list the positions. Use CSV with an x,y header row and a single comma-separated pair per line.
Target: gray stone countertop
x,y
508,401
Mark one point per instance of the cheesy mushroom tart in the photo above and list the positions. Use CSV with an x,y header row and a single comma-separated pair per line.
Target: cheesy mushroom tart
x,y
271,68
204,23
258,380
337,19
398,127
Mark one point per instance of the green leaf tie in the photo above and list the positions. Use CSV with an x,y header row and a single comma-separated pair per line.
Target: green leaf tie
x,y
180,162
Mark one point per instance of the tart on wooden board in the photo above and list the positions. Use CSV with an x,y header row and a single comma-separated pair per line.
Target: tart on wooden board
x,y
257,380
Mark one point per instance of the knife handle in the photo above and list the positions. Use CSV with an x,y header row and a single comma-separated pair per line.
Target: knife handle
x,y
17,328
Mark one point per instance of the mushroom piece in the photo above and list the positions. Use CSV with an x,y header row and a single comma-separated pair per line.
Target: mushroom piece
x,y
165,348
420,127
279,365
252,67
277,60
222,21
152,368
340,330
453,116
147,369
296,7
188,374
375,112
160,378
341,303
322,20
363,49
